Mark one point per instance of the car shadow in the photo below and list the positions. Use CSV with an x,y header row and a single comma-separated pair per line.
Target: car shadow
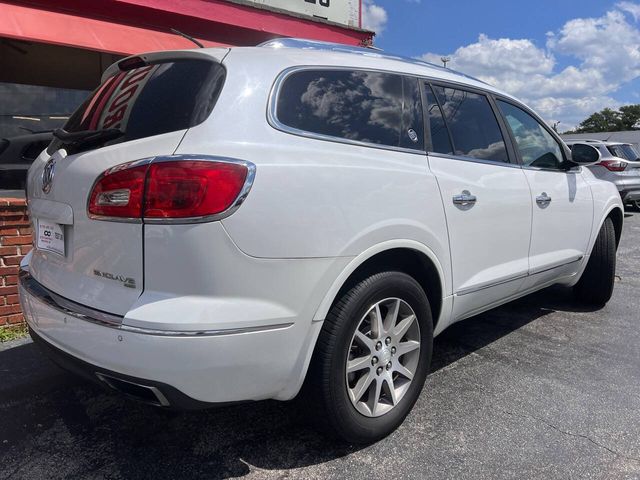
x,y
104,432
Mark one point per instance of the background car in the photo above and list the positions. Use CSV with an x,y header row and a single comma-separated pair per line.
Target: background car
x,y
620,164
16,156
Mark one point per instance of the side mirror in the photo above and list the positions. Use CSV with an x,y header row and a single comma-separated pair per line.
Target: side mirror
x,y
584,154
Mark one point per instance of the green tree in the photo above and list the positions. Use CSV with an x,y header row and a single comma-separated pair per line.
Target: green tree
x,y
606,120
630,116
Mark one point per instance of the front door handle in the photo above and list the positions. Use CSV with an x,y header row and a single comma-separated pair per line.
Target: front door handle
x,y
464,199
543,200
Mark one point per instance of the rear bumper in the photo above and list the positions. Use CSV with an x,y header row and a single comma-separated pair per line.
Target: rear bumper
x,y
630,195
145,390
189,369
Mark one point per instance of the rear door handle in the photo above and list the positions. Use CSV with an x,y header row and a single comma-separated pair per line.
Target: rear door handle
x,y
543,199
464,199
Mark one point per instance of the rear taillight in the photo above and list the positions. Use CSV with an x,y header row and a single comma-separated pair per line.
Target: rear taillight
x,y
613,165
168,189
118,192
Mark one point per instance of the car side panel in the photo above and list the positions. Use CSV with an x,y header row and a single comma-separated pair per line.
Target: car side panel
x,y
311,197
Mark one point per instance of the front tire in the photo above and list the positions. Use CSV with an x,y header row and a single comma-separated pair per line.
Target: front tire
x,y
595,287
372,358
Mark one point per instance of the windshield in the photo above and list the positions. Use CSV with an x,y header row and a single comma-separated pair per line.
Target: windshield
x,y
149,100
627,152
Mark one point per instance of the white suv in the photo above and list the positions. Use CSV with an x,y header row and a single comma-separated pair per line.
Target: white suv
x,y
240,224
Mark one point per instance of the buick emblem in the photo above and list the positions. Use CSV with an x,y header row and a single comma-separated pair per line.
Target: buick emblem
x,y
47,174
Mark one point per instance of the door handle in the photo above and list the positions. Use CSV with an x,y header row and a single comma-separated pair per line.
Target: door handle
x,y
464,199
543,200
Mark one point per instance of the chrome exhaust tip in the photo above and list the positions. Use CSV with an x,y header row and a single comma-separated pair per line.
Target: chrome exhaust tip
x,y
137,391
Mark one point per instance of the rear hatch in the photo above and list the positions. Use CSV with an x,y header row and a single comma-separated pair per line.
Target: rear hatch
x,y
629,153
145,106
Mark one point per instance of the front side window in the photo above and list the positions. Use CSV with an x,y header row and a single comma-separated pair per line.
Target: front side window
x,y
474,128
372,107
537,147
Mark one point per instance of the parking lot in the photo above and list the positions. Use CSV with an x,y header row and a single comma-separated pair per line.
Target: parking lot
x,y
540,388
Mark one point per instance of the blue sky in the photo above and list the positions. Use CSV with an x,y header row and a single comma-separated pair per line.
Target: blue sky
x,y
566,58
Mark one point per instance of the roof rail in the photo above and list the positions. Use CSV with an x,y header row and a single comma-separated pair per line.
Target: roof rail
x,y
303,43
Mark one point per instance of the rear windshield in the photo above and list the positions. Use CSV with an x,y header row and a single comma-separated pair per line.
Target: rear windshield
x,y
624,151
150,100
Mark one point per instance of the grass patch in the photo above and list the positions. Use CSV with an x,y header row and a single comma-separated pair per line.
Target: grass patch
x,y
13,332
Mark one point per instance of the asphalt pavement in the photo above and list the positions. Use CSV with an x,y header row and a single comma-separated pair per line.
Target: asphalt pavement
x,y
539,388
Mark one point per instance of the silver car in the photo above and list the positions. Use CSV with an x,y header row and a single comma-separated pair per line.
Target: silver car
x,y
620,164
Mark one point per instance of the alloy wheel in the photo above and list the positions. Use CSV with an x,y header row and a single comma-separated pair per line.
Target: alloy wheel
x,y
383,357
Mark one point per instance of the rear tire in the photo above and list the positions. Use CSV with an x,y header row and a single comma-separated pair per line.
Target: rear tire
x,y
355,389
595,287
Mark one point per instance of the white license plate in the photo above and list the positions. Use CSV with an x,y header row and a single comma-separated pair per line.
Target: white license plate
x,y
50,237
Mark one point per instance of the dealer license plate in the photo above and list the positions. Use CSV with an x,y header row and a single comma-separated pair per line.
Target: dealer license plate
x,y
50,237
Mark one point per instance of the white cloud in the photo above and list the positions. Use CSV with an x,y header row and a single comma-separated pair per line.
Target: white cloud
x,y
374,17
630,7
604,54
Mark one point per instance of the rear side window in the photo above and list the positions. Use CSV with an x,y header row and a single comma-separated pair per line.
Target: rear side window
x,y
152,100
372,107
473,125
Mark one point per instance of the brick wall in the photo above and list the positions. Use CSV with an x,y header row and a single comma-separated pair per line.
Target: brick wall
x,y
15,243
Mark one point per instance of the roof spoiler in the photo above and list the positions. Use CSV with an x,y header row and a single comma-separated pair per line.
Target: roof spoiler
x,y
136,61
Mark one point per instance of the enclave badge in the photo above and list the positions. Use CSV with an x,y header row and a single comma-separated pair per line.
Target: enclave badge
x,y
47,174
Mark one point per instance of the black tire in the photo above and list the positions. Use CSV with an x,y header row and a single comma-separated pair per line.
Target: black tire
x,y
595,287
326,397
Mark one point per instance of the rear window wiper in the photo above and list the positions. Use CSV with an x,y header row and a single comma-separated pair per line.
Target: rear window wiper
x,y
87,136
85,139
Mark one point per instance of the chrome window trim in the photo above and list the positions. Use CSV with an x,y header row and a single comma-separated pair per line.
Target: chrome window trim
x,y
272,102
273,120
474,160
109,320
573,169
244,192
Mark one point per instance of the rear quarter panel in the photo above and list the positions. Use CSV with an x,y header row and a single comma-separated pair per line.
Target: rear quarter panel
x,y
314,198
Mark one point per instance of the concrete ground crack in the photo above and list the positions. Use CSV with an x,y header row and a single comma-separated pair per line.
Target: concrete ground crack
x,y
571,434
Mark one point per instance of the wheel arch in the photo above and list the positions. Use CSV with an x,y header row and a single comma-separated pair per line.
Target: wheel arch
x,y
409,257
617,217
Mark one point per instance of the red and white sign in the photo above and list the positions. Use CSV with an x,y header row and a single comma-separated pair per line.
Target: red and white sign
x,y
127,88
345,12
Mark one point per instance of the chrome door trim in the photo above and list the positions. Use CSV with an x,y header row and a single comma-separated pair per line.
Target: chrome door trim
x,y
467,291
553,267
45,296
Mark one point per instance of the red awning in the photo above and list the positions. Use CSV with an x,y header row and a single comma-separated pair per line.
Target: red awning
x,y
134,26
32,24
